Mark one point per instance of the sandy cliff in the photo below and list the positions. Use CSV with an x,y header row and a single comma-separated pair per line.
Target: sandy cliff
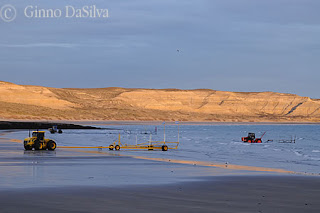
x,y
35,102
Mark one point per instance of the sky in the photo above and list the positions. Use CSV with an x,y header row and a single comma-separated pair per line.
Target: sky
x,y
228,45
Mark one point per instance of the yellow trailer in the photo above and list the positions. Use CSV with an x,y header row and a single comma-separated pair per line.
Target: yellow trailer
x,y
149,145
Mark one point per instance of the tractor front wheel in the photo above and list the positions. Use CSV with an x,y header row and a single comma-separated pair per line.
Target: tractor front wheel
x,y
27,147
117,147
111,147
51,145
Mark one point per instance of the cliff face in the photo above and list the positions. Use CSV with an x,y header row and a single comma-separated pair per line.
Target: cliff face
x,y
34,102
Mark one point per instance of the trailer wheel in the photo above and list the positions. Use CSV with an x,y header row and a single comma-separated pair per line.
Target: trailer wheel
x,y
164,148
111,147
51,145
117,147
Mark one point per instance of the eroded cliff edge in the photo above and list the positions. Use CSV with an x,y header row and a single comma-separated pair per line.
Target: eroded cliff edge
x,y
35,102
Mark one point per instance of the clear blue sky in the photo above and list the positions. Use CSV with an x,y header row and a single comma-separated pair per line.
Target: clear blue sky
x,y
232,45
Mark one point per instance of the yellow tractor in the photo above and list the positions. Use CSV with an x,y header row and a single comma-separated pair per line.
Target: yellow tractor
x,y
38,142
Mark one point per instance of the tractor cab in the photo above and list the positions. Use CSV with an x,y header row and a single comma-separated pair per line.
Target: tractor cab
x,y
251,136
39,135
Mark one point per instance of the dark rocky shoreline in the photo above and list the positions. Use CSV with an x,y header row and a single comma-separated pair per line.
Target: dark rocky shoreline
x,y
41,125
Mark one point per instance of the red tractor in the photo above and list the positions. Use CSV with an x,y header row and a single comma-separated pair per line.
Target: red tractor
x,y
252,138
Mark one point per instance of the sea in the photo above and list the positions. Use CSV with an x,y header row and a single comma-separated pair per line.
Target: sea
x,y
285,146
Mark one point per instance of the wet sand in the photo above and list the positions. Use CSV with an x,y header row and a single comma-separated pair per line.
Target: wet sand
x,y
219,194
69,181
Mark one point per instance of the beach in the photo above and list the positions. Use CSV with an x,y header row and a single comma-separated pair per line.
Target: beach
x,y
222,194
96,181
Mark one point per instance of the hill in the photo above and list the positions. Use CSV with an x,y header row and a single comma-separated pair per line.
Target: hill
x,y
44,103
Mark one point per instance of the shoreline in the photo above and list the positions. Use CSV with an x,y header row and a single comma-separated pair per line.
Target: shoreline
x,y
172,160
10,125
215,165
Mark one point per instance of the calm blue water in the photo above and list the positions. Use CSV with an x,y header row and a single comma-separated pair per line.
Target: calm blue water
x,y
214,143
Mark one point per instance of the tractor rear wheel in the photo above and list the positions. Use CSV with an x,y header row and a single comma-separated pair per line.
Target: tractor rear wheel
x,y
111,147
51,145
38,145
164,148
117,147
